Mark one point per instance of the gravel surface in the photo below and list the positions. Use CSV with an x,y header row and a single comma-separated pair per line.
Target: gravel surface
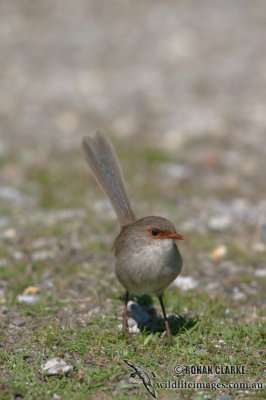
x,y
162,71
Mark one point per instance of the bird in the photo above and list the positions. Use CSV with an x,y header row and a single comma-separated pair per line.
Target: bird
x,y
147,257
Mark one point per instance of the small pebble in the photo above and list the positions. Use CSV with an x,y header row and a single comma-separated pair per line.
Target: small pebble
x,y
132,329
56,366
260,272
219,253
28,299
185,283
131,322
9,234
219,223
42,255
259,247
238,295
17,255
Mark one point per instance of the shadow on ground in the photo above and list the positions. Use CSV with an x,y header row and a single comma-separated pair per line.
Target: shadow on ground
x,y
147,319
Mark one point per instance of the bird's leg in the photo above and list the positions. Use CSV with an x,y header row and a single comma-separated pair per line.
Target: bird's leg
x,y
168,332
125,326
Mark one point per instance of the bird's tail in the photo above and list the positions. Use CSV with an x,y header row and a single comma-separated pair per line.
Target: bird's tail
x,y
105,167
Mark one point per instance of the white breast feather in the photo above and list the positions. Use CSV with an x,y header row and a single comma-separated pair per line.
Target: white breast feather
x,y
151,269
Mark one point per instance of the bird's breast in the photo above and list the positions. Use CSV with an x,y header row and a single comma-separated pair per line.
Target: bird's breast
x,y
150,268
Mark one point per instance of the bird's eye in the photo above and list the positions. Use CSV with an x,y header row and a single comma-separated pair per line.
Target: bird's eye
x,y
154,232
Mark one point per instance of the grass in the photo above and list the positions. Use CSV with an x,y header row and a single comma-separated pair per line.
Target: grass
x,y
98,350
79,312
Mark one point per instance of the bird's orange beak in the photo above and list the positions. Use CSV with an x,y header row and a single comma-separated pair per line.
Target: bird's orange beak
x,y
175,236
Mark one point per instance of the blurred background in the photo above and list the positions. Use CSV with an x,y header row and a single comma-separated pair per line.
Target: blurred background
x,y
165,73
179,87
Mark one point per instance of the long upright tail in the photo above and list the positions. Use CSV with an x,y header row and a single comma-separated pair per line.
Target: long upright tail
x,y
105,167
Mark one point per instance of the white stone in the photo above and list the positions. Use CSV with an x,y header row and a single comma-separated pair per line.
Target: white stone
x,y
238,295
28,299
219,223
42,255
56,366
185,283
260,272
9,234
259,247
